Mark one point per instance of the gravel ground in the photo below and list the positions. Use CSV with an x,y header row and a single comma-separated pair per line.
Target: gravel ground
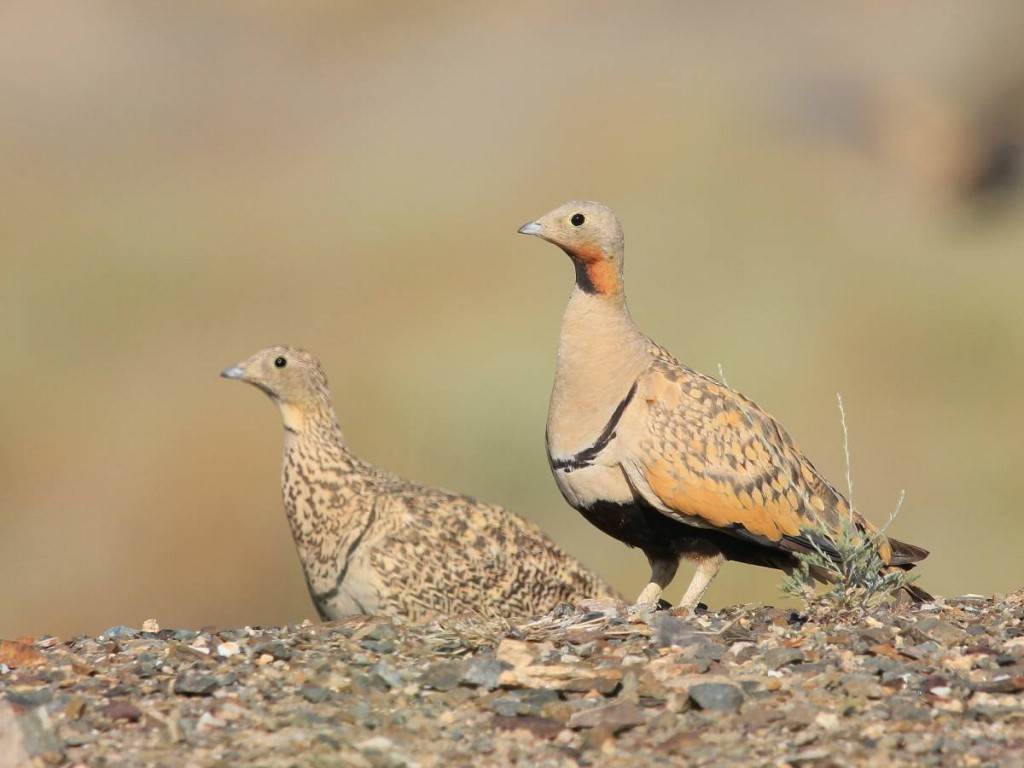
x,y
749,685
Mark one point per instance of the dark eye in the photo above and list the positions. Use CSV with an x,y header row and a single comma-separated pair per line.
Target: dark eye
x,y
577,219
280,362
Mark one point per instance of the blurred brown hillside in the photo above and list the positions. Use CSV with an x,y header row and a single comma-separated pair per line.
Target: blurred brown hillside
x,y
817,203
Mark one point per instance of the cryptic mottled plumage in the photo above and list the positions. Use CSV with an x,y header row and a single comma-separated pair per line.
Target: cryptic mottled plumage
x,y
371,542
665,458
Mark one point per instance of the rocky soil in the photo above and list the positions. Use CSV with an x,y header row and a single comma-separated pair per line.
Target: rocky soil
x,y
749,685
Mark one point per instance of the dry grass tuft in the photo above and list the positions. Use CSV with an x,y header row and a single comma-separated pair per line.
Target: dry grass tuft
x,y
859,580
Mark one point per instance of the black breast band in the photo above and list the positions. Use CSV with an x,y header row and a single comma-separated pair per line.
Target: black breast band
x,y
585,457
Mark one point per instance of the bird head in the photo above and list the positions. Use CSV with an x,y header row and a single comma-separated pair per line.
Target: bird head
x,y
592,237
291,377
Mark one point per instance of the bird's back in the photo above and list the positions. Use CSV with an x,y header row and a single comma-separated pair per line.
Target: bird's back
x,y
719,460
436,552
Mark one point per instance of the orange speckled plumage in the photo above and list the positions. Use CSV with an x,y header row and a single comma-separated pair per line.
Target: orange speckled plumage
x,y
665,458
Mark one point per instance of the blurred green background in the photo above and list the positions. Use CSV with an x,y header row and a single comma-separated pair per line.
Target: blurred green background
x,y
818,203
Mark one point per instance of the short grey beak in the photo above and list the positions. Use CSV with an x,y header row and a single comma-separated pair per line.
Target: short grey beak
x,y
234,372
533,228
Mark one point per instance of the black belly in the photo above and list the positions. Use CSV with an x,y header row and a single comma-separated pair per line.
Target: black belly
x,y
661,537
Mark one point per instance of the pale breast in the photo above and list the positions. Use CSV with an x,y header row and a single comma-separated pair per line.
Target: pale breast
x,y
586,486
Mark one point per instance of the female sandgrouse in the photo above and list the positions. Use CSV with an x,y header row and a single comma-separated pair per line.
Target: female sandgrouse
x,y
371,542
665,458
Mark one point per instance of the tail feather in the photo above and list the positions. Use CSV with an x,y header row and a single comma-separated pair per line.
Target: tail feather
x,y
906,554
917,594
914,592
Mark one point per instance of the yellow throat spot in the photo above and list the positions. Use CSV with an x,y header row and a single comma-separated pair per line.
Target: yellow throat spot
x,y
294,417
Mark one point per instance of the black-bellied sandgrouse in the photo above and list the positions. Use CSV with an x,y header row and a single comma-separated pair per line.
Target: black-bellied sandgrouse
x,y
371,542
665,458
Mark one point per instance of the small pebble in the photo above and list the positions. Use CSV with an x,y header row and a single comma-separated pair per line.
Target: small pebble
x,y
228,649
723,697
195,684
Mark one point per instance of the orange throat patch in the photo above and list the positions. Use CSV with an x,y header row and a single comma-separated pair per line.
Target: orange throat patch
x,y
594,273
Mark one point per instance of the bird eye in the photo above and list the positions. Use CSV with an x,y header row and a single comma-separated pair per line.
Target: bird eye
x,y
577,219
280,362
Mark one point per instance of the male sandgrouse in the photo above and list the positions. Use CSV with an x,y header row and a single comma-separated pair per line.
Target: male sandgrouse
x,y
665,458
371,542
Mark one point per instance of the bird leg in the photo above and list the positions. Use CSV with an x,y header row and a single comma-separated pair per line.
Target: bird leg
x,y
707,569
662,572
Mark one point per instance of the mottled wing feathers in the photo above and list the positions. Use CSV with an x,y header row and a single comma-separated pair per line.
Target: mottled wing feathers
x,y
713,459
441,553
